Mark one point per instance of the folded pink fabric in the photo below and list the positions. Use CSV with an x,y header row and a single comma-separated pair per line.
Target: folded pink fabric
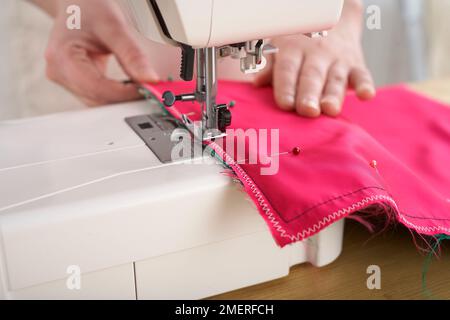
x,y
393,151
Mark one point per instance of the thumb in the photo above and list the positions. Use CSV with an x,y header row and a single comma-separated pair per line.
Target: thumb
x,y
79,73
129,49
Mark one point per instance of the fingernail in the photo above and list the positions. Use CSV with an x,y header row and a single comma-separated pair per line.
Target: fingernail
x,y
147,74
312,103
153,76
289,100
331,101
365,90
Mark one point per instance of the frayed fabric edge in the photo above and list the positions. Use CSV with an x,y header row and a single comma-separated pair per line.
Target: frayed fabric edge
x,y
383,203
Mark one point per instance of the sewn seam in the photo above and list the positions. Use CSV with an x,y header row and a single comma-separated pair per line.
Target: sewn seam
x,y
265,208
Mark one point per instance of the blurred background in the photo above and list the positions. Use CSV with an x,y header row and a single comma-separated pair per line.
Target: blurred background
x,y
412,45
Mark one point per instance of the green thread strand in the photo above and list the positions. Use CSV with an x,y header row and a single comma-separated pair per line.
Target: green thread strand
x,y
427,263
149,96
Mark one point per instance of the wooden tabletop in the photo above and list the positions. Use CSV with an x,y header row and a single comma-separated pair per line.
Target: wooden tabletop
x,y
394,251
438,89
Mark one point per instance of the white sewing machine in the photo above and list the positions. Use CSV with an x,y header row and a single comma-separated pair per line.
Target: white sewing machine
x,y
92,207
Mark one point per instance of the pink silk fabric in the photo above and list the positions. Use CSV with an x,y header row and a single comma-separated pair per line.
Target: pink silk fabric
x,y
393,151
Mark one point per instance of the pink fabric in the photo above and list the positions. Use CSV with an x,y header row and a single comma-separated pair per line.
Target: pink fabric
x,y
335,175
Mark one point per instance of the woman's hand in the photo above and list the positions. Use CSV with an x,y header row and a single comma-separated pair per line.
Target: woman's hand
x,y
311,76
77,59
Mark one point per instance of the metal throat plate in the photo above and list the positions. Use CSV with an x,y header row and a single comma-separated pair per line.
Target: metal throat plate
x,y
156,131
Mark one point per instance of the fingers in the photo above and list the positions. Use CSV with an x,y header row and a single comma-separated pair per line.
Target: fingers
x,y
129,49
285,76
335,89
361,80
311,82
79,73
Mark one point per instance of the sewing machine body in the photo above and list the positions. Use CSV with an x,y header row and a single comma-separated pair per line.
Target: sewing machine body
x,y
80,192
87,210
215,23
